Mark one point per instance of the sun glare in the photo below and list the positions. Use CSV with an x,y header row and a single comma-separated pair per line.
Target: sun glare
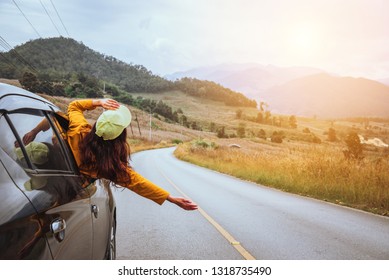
x,y
303,40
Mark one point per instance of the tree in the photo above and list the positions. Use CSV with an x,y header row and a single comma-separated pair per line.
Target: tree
x,y
332,135
277,121
267,116
59,90
212,127
195,126
239,113
30,82
184,121
277,137
354,147
221,133
261,134
262,106
202,91
241,131
315,139
259,117
293,121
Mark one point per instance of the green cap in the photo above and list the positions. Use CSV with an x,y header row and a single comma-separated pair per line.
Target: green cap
x,y
36,151
35,183
111,123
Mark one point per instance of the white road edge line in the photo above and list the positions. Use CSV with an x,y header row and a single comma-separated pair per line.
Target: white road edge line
x,y
233,242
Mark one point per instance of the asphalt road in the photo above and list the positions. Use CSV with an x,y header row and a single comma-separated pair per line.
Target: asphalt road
x,y
238,220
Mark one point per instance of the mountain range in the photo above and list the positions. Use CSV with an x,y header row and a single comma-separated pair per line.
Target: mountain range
x,y
249,78
300,91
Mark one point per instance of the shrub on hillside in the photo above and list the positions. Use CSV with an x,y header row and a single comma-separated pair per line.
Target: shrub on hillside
x,y
354,147
277,137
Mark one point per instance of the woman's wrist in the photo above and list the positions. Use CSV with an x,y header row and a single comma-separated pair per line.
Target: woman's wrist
x,y
96,102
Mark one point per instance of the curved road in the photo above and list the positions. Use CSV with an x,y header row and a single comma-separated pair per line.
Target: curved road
x,y
238,220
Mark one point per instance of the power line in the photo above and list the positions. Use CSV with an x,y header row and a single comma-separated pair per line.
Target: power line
x,y
13,53
5,44
16,55
27,19
7,48
49,17
60,18
9,62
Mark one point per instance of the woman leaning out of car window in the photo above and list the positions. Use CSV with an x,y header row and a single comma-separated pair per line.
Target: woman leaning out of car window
x,y
101,150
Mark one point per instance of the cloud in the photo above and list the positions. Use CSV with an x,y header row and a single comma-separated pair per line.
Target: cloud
x,y
145,23
167,35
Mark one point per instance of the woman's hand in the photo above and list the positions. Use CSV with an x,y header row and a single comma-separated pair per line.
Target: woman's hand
x,y
184,203
29,137
108,104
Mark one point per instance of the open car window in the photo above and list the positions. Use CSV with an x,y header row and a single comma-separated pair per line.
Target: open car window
x,y
42,151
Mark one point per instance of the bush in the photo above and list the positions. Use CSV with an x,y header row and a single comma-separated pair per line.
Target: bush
x,y
177,141
277,137
221,133
332,135
261,134
202,143
354,147
241,131
315,139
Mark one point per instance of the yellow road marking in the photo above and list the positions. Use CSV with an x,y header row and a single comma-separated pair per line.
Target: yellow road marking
x,y
235,244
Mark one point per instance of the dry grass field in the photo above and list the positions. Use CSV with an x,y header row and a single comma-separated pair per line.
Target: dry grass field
x,y
320,171
300,165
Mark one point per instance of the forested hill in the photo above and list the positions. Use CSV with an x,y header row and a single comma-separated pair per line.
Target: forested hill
x,y
58,60
59,56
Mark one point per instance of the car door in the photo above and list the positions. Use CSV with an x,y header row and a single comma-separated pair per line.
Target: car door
x,y
21,233
103,219
60,197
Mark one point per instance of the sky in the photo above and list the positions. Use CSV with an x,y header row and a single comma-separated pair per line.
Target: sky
x,y
346,37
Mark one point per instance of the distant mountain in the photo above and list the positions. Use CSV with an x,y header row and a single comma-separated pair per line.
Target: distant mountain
x,y
300,90
324,95
251,79
384,81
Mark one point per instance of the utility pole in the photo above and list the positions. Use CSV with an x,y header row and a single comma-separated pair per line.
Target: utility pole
x,y
150,127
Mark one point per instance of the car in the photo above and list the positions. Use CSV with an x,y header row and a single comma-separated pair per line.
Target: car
x,y
47,209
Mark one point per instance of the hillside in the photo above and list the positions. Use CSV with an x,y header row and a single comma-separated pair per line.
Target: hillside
x,y
60,56
328,96
59,60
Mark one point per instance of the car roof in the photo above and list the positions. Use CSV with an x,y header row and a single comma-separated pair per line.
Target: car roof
x,y
14,98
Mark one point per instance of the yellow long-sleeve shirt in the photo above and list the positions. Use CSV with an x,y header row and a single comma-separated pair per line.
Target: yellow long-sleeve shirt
x,y
79,126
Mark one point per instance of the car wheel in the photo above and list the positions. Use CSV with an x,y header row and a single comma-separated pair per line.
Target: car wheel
x,y
111,248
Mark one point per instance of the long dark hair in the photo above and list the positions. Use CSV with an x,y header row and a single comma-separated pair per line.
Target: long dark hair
x,y
109,158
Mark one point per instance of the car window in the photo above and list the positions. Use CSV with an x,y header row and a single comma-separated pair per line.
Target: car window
x,y
39,151
8,140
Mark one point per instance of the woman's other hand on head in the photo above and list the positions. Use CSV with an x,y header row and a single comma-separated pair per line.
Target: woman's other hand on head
x,y
109,104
